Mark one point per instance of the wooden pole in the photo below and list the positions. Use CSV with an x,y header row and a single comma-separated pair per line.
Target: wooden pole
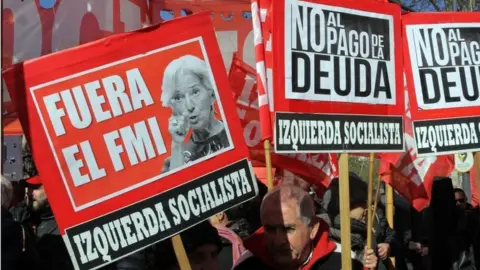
x,y
345,212
389,205
370,193
268,163
182,258
377,192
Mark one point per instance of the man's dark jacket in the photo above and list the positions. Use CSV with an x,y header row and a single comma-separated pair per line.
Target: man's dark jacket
x,y
51,248
11,242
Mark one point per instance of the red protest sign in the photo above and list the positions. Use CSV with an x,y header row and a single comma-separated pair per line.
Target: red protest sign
x,y
138,133
337,66
442,59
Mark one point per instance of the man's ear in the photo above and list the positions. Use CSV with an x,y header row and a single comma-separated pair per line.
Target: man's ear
x,y
315,227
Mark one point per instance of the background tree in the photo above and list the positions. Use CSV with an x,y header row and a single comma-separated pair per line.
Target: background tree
x,y
438,5
359,165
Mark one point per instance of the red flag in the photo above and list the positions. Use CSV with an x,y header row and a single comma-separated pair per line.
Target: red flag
x,y
260,59
318,169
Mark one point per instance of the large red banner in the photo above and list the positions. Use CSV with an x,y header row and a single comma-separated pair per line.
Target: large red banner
x,y
34,28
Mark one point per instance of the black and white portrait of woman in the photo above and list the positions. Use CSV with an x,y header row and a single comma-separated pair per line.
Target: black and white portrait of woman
x,y
188,91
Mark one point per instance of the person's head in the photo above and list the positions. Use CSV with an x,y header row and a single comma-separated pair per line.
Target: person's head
x,y
293,179
460,198
7,193
288,218
38,197
358,198
202,245
187,89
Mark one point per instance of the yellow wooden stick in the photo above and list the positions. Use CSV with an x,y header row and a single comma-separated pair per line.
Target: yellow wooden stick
x,y
345,212
268,163
369,200
389,200
377,192
182,258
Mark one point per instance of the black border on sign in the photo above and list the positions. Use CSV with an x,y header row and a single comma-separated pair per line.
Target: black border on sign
x,y
445,152
243,163
338,151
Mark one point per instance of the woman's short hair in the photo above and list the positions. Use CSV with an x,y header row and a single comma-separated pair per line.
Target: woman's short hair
x,y
187,64
7,192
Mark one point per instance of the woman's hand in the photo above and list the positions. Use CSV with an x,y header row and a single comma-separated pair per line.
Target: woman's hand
x,y
383,250
414,246
370,260
423,251
178,128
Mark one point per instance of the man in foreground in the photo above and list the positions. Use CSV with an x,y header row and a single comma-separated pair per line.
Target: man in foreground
x,y
292,237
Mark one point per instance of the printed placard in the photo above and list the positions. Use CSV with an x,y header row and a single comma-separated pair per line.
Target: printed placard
x,y
315,133
447,136
442,57
114,125
330,56
337,57
127,230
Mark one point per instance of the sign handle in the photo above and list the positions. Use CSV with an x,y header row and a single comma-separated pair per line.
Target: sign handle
x,y
377,192
345,212
369,200
182,258
268,163
389,200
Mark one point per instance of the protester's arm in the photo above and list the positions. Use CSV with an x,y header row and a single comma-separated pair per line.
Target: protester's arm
x,y
390,239
386,240
407,241
390,235
388,232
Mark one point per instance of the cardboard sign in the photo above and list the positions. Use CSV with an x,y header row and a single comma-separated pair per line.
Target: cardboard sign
x,y
137,138
338,58
442,59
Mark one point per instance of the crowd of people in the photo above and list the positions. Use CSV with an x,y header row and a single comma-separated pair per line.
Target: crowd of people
x,y
293,226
